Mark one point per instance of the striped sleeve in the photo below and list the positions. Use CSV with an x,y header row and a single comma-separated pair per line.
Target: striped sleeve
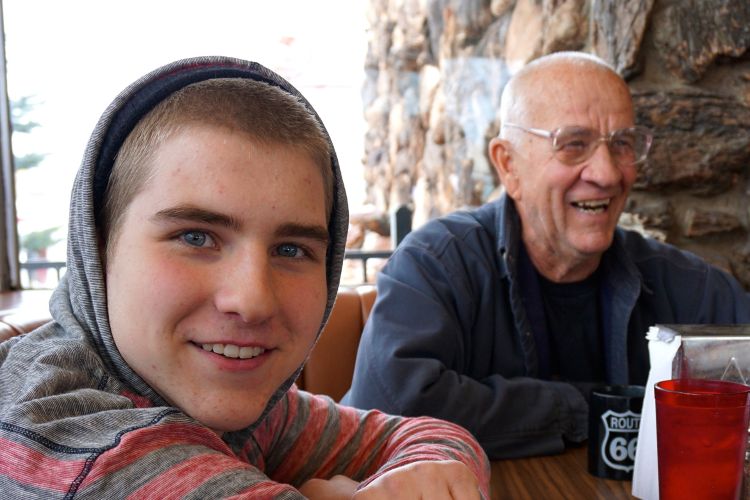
x,y
170,456
310,436
165,460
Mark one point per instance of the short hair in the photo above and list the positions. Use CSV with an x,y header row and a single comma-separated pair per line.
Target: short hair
x,y
264,112
515,94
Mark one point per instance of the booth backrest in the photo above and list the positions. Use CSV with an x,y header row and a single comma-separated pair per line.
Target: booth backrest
x,y
330,367
328,371
23,310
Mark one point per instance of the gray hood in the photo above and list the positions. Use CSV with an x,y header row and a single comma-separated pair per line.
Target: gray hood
x,y
79,303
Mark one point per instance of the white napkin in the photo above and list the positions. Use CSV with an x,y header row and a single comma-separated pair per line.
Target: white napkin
x,y
662,350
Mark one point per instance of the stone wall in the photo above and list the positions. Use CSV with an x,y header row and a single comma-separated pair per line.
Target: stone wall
x,y
436,68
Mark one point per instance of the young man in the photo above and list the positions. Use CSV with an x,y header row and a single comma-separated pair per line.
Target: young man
x,y
207,230
501,318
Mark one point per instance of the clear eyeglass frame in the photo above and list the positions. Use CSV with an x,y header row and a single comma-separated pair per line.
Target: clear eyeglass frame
x,y
572,145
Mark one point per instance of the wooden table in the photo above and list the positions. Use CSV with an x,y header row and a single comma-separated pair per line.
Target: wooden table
x,y
551,477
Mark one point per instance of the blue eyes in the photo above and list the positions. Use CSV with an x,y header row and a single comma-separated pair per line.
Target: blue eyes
x,y
195,238
201,239
289,250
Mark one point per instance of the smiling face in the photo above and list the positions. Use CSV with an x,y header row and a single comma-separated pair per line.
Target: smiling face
x,y
216,280
568,213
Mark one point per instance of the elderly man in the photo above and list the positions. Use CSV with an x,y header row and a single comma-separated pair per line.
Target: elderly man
x,y
502,318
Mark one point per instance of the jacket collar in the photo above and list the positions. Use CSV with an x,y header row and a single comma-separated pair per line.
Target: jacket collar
x,y
509,234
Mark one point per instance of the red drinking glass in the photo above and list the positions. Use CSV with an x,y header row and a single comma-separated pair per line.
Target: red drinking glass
x,y
701,435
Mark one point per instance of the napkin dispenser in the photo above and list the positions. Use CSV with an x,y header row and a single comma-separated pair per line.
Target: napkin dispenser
x,y
718,352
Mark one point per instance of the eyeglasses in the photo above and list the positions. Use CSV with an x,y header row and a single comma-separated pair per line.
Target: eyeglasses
x,y
573,145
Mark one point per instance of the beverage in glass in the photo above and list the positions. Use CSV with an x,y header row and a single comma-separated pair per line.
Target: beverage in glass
x,y
701,433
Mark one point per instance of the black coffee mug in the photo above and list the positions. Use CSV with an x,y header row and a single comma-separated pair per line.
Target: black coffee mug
x,y
614,420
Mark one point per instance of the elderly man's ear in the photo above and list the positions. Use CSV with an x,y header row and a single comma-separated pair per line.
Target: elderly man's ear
x,y
501,156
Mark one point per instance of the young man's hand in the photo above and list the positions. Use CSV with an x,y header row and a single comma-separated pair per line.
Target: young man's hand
x,y
447,479
336,488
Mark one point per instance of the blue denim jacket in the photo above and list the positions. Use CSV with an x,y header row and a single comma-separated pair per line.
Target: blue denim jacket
x,y
458,332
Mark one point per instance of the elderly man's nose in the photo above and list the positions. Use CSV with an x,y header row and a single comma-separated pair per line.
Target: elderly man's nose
x,y
601,167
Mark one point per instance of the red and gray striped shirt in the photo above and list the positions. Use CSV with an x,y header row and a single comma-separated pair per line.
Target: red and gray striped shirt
x,y
305,436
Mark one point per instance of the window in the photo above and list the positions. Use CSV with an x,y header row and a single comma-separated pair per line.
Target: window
x,y
66,61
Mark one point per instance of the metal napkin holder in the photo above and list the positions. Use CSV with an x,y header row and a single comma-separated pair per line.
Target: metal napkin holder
x,y
717,352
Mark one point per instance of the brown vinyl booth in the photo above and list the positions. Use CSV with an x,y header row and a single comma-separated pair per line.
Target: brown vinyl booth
x,y
330,367
328,371
22,311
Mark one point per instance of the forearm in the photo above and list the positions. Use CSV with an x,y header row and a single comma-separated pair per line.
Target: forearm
x,y
399,442
510,417
321,440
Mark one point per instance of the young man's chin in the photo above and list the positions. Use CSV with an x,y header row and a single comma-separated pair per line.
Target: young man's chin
x,y
221,424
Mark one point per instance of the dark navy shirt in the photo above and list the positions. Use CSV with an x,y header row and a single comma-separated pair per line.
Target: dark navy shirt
x,y
573,320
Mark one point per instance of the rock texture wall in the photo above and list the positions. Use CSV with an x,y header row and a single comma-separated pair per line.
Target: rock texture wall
x,y
436,69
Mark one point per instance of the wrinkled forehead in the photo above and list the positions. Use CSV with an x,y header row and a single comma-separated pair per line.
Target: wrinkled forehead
x,y
576,95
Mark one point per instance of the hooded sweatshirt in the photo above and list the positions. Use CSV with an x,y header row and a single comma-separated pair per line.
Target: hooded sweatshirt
x,y
76,421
